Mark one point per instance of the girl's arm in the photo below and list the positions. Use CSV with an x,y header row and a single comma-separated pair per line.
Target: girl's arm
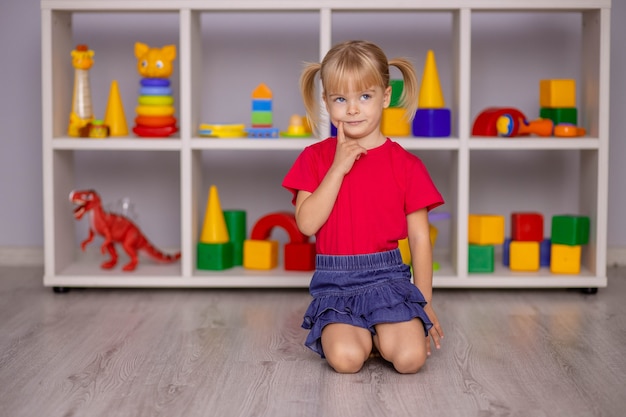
x,y
313,209
422,259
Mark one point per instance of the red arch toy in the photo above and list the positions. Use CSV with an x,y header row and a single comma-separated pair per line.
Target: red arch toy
x,y
286,220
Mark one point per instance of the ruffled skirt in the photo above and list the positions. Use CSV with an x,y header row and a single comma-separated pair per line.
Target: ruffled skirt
x,y
361,290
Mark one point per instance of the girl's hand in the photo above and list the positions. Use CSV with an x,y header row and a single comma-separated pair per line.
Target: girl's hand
x,y
348,151
436,332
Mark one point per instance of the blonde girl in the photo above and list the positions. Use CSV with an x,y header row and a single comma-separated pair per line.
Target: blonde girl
x,y
359,193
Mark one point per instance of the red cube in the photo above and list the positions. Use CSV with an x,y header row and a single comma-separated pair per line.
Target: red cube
x,y
527,227
300,256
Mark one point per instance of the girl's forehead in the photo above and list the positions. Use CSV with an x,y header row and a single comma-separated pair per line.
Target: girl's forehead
x,y
350,84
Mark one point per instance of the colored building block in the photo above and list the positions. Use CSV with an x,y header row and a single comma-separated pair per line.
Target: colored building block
x,y
570,230
432,233
560,115
524,256
432,123
405,250
431,95
565,259
557,93
527,227
261,105
236,225
214,229
481,258
262,91
486,229
394,122
263,132
260,254
544,252
286,220
300,256
262,119
396,91
214,256
506,252
114,116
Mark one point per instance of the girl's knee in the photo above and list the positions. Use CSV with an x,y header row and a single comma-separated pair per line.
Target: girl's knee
x,y
346,359
409,362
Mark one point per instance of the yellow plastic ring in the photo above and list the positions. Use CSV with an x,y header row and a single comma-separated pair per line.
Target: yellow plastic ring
x,y
155,110
156,100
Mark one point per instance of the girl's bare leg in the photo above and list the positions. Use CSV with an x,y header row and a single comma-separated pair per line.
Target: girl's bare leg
x,y
403,344
346,347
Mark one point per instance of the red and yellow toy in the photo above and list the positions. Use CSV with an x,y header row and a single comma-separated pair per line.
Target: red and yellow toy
x,y
115,228
155,109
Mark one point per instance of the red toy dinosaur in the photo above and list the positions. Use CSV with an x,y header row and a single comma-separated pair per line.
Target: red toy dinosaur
x,y
114,228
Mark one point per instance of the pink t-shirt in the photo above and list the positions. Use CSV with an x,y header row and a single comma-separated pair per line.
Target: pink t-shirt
x,y
375,197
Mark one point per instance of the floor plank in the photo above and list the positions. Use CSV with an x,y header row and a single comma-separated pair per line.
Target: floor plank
x,y
108,352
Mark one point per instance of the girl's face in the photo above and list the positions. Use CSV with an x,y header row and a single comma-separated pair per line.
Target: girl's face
x,y
360,111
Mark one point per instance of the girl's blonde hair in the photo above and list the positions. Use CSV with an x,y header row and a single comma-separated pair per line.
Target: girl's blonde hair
x,y
356,65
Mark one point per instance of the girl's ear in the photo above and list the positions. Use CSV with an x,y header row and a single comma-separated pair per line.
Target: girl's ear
x,y
387,97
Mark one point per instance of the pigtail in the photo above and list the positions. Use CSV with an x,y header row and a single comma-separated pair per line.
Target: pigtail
x,y
410,93
307,89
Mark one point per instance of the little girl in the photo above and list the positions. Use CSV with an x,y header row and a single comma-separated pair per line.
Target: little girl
x,y
359,193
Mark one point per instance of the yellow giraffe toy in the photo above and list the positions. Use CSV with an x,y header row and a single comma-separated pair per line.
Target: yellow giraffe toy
x,y
82,113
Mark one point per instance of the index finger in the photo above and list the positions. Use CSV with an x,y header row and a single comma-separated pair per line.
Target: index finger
x,y
341,137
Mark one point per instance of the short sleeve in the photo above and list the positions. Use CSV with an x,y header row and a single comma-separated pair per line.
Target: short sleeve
x,y
303,174
421,190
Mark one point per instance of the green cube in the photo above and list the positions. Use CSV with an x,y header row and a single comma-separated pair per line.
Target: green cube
x,y
570,230
215,256
560,114
481,258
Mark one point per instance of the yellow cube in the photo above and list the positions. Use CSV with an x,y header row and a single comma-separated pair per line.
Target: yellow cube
x,y
524,256
260,254
394,122
486,229
565,259
405,250
557,93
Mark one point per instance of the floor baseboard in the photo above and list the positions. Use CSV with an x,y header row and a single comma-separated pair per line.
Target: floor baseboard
x,y
33,255
21,255
616,256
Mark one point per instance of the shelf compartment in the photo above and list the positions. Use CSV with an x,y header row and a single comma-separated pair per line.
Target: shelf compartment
x,y
111,35
85,169
221,84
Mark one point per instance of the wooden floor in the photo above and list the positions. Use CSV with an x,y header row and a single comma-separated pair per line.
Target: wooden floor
x,y
225,353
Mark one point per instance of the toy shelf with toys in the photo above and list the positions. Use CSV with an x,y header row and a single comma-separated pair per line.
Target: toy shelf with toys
x,y
191,97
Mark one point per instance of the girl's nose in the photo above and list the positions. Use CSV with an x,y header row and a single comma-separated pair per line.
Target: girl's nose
x,y
353,108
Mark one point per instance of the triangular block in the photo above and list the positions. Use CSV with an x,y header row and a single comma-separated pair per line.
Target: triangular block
x,y
114,116
262,91
214,229
431,96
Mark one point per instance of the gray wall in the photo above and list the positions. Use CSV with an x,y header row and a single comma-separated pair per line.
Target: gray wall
x,y
20,122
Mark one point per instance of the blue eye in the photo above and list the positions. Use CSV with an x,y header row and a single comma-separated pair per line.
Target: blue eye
x,y
366,97
340,100
159,64
144,63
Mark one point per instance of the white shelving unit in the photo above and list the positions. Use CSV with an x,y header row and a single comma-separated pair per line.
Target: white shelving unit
x,y
65,267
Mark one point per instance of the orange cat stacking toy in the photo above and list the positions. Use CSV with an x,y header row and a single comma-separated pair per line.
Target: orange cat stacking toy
x,y
155,110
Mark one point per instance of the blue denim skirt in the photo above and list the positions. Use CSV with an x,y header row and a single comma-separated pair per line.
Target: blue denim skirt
x,y
361,290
